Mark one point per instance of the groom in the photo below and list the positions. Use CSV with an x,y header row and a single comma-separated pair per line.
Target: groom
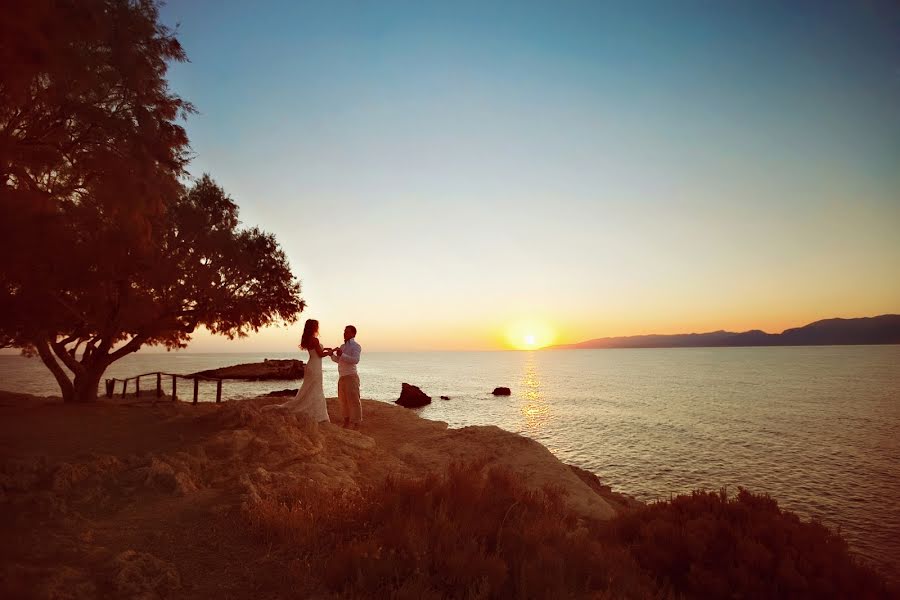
x,y
348,378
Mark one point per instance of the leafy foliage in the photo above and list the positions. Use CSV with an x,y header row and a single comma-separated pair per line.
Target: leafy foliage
x,y
86,115
106,297
104,250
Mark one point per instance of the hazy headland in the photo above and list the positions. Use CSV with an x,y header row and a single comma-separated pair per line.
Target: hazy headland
x,y
884,329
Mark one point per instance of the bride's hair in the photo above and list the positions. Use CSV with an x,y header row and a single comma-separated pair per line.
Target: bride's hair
x,y
310,328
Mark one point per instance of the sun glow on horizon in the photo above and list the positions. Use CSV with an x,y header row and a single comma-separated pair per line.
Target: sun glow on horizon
x,y
529,335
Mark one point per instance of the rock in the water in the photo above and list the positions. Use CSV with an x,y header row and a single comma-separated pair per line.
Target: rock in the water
x,y
412,397
266,370
445,397
279,393
501,391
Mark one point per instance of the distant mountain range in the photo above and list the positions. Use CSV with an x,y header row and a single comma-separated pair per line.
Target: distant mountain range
x,y
884,329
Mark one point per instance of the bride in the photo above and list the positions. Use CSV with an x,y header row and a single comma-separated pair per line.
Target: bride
x,y
310,398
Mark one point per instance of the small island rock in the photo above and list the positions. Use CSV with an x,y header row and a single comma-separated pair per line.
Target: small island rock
x,y
445,397
412,397
267,370
501,391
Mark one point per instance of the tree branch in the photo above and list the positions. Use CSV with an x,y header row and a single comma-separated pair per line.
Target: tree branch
x,y
74,350
105,345
70,308
67,359
65,384
90,348
132,346
70,339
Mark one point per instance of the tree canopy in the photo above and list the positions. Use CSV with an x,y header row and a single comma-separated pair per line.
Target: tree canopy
x,y
104,247
86,114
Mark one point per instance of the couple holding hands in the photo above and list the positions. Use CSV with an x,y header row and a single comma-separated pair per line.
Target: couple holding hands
x,y
310,398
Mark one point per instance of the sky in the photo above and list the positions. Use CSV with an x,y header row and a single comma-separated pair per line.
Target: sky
x,y
485,175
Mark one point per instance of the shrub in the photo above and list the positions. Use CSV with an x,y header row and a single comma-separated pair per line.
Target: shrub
x,y
480,533
711,546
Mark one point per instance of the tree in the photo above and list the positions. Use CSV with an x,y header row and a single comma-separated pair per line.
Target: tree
x,y
103,248
109,297
86,115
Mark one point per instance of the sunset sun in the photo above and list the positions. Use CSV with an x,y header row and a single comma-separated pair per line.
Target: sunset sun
x,y
530,335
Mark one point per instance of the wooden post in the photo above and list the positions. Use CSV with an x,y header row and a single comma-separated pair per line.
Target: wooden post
x,y
218,391
196,386
174,387
124,385
158,385
137,386
109,387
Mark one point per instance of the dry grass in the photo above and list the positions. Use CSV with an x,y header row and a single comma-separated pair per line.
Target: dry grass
x,y
477,533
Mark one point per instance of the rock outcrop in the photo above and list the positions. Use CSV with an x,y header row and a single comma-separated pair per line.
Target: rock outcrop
x,y
283,393
264,371
412,397
138,500
620,502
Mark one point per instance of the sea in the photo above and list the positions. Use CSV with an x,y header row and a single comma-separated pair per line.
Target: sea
x,y
817,428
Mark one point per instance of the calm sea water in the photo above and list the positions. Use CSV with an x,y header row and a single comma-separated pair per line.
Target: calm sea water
x,y
816,427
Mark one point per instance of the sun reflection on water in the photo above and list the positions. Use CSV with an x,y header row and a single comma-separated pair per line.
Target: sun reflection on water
x,y
534,408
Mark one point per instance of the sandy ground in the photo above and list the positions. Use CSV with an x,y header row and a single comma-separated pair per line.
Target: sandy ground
x,y
140,499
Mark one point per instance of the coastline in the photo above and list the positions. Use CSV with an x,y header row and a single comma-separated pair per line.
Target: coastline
x,y
112,477
160,498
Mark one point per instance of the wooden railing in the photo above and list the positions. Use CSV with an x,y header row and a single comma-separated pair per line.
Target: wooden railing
x,y
111,384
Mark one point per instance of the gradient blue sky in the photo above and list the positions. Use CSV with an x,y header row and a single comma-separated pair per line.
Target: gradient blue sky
x,y
445,175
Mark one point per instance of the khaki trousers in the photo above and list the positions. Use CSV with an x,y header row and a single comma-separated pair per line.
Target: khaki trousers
x,y
348,396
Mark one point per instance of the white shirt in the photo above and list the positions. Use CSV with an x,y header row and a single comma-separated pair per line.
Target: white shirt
x,y
350,353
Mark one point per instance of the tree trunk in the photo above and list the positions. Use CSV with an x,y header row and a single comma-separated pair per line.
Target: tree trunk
x,y
65,386
85,386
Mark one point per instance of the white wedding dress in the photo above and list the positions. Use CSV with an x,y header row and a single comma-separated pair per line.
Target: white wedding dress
x,y
310,398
